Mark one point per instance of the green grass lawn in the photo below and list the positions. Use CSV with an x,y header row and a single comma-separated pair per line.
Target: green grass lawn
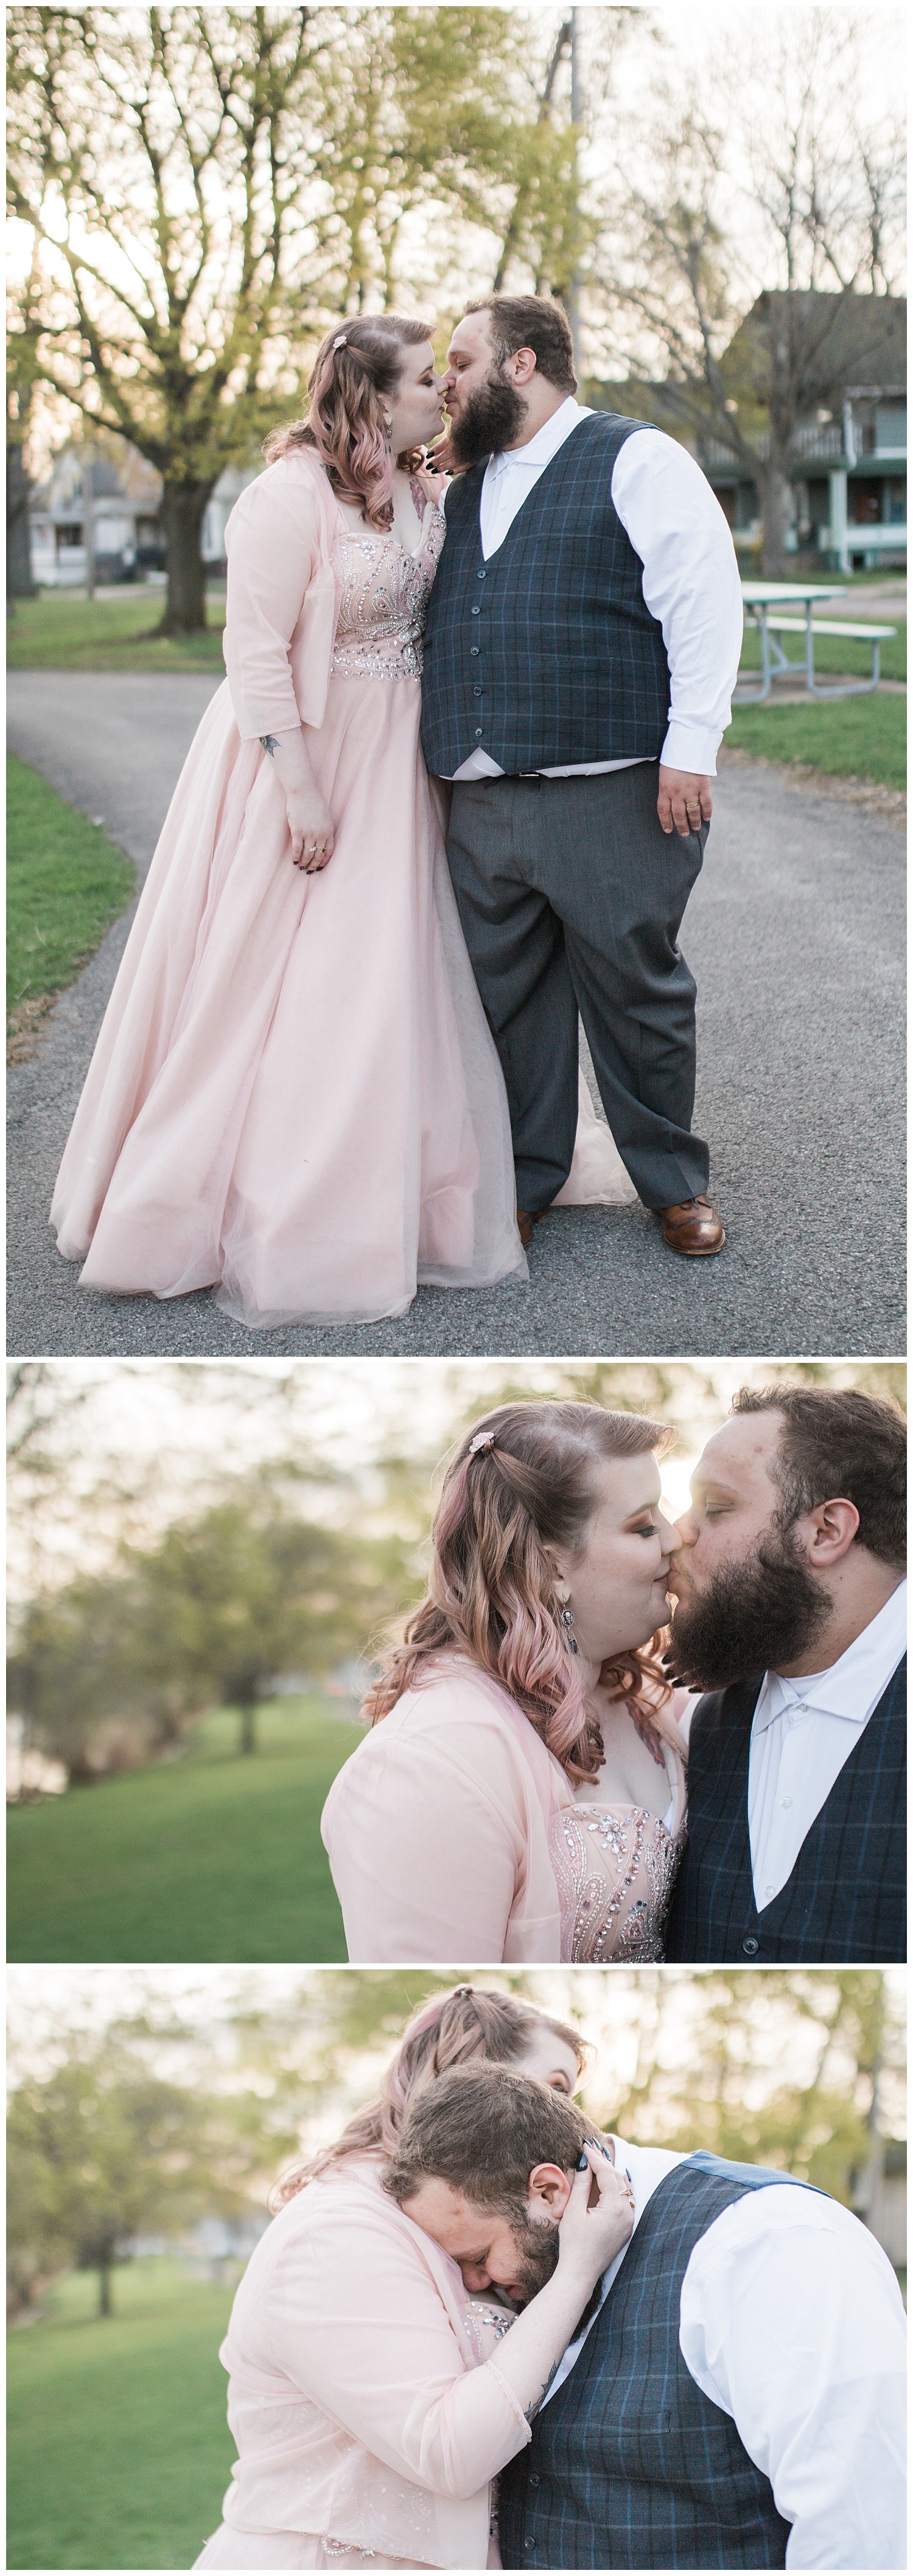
x,y
858,738
119,2453
58,632
65,884
212,1857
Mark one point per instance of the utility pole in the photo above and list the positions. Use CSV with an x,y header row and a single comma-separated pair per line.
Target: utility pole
x,y
88,522
573,293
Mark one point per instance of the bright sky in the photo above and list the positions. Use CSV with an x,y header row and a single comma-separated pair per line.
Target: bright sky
x,y
185,1423
614,2007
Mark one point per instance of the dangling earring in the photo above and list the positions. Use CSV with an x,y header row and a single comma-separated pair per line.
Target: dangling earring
x,y
566,1617
388,433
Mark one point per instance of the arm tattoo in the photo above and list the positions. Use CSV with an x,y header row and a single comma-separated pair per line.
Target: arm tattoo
x,y
531,2411
270,742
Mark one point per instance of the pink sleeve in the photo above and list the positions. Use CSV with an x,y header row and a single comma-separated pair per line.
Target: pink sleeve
x,y
427,1842
357,2324
273,544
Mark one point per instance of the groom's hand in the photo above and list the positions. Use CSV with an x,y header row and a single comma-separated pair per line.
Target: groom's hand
x,y
684,800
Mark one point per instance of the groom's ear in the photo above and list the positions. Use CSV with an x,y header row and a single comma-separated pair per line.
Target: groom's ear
x,y
827,1533
549,2190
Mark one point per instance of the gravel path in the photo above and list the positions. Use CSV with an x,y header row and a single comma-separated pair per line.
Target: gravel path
x,y
795,935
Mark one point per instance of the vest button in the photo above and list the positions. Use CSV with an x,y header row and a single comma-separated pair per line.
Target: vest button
x,y
478,733
535,2480
477,693
751,1948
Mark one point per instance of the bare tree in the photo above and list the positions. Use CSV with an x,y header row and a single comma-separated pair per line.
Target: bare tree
x,y
743,257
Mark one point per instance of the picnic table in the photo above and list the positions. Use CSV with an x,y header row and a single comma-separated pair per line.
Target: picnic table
x,y
766,602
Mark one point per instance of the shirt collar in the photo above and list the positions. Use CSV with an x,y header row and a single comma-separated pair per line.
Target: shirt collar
x,y
540,450
845,1688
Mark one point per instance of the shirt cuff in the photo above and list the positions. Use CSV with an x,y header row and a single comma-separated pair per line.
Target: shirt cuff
x,y
691,747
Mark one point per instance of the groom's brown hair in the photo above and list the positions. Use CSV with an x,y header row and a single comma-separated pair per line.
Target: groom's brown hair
x,y
531,322
482,2129
837,1440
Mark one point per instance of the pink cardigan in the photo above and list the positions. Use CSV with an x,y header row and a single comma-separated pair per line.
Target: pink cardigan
x,y
437,1829
355,2402
281,614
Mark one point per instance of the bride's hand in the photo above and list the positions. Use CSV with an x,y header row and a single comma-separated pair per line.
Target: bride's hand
x,y
311,826
588,2239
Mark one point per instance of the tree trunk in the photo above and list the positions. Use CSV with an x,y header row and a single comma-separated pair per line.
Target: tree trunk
x,y
776,503
104,2290
183,507
19,583
248,1727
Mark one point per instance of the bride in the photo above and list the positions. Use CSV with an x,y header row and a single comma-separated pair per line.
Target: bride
x,y
295,1097
521,1794
372,2397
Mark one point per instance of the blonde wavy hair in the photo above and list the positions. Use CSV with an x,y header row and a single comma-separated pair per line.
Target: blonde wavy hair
x,y
356,364
463,2027
493,1594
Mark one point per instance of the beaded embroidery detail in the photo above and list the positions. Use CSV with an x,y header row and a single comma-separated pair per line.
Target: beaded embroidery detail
x,y
383,599
602,1857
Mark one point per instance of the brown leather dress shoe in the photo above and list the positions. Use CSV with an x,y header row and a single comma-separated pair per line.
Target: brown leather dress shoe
x,y
693,1227
525,1223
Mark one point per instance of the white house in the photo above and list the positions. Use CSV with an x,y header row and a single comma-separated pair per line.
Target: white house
x,y
125,498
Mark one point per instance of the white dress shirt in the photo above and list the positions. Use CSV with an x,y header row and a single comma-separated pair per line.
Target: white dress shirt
x,y
791,2320
690,577
802,1733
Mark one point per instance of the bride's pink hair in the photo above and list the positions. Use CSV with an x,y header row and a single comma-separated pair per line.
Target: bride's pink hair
x,y
459,2028
357,363
493,1589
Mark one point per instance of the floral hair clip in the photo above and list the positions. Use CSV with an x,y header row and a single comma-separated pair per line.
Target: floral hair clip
x,y
342,342
483,1440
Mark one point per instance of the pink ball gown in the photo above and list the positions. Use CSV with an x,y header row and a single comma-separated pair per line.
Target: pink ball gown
x,y
295,1097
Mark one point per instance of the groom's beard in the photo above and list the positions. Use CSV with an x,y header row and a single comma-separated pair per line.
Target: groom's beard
x,y
488,421
763,1613
537,2249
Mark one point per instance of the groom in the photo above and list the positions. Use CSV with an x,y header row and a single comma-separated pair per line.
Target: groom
x,y
733,2396
792,1617
582,641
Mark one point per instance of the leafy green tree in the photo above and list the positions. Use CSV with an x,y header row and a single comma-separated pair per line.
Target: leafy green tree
x,y
707,2057
103,2150
210,1616
248,1592
202,188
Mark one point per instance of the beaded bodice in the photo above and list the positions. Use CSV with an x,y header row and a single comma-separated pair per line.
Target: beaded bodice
x,y
383,596
616,1868
486,2325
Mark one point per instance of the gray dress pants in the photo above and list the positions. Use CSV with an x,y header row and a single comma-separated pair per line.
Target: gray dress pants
x,y
571,895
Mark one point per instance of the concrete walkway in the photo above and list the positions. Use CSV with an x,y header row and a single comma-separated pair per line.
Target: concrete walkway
x,y
795,935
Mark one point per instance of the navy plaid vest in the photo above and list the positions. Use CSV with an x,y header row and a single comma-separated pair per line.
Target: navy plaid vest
x,y
845,1900
630,2465
547,655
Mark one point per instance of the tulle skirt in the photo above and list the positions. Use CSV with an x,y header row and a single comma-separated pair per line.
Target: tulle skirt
x,y
295,1097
